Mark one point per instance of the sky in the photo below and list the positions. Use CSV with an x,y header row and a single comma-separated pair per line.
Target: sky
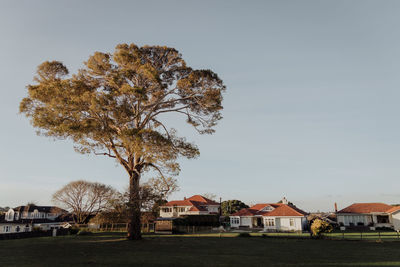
x,y
310,111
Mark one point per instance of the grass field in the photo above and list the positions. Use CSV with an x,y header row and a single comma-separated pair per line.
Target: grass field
x,y
111,249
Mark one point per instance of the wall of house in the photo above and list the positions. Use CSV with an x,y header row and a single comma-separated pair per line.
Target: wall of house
x,y
6,228
246,222
290,224
285,223
395,219
213,209
355,219
237,221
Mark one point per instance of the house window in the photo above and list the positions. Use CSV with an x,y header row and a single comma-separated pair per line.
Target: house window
x,y
291,222
166,210
6,229
235,220
181,209
270,222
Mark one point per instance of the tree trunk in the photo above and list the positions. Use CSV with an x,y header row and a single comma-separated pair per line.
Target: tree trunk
x,y
134,231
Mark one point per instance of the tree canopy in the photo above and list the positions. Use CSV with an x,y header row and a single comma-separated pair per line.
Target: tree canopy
x,y
231,206
116,106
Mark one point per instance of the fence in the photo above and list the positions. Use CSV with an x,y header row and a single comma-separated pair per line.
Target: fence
x,y
114,227
370,235
32,234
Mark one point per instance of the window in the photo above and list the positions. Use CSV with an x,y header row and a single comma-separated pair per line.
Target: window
x,y
181,209
235,220
270,222
166,210
6,229
291,222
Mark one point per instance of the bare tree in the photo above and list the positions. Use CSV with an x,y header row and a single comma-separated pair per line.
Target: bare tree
x,y
84,198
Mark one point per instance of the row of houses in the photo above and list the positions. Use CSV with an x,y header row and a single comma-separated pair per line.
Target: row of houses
x,y
282,216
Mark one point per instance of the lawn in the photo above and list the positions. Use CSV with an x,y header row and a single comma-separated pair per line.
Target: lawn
x,y
111,249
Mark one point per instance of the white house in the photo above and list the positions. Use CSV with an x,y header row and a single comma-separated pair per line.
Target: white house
x,y
195,205
271,217
24,218
14,227
370,214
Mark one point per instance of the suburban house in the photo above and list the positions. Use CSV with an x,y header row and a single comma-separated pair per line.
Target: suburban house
x,y
24,218
370,214
13,227
271,217
195,205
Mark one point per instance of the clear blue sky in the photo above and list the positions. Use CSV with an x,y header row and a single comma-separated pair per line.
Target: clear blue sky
x,y
311,110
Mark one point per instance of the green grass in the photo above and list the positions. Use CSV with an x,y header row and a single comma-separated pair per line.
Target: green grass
x,y
111,249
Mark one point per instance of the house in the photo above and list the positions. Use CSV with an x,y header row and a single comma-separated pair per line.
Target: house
x,y
24,218
271,217
370,214
195,205
13,227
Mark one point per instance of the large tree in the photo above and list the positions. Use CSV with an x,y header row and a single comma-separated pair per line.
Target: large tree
x,y
116,105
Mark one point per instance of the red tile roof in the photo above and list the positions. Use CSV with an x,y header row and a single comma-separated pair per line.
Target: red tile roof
x,y
202,199
285,210
366,208
263,205
245,212
279,210
393,209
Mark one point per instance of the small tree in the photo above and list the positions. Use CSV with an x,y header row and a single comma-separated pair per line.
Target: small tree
x,y
156,191
84,198
318,227
116,106
231,206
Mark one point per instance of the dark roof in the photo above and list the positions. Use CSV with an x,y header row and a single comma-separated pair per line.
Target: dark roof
x,y
46,209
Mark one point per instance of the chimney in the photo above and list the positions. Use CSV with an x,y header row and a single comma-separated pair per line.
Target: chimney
x,y
184,198
335,207
284,201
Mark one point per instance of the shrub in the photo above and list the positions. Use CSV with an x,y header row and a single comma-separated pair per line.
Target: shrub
x,y
319,227
383,228
244,235
73,231
37,229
